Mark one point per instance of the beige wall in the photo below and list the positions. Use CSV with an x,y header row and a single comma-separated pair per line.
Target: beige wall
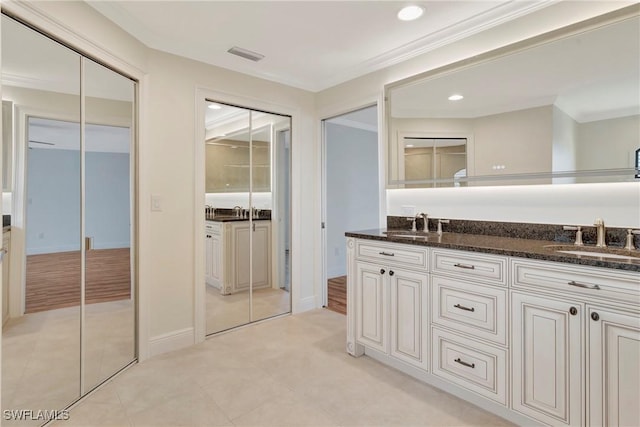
x,y
608,143
519,140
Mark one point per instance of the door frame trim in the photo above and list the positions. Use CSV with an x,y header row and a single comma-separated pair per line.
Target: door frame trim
x,y
324,115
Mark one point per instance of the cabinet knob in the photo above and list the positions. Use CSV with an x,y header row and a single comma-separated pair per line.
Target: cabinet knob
x,y
391,273
382,271
595,316
573,311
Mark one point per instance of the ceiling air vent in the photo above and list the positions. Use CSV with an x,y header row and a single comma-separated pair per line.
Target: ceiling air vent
x,y
247,54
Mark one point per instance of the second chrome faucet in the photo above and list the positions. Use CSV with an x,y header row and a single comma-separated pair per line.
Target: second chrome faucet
x,y
425,222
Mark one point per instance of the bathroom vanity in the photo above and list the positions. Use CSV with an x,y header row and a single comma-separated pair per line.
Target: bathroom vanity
x,y
512,325
228,251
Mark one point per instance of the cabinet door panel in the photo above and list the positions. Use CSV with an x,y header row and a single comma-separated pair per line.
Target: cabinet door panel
x,y
371,306
261,256
614,369
547,359
409,305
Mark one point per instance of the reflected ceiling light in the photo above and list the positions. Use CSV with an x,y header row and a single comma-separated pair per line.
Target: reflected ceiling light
x,y
215,106
455,97
409,145
410,13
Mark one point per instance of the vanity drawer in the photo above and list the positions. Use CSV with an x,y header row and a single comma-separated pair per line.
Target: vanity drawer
x,y
478,310
213,227
392,253
483,268
470,364
587,282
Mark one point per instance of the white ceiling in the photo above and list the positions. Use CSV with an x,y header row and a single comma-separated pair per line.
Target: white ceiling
x,y
312,45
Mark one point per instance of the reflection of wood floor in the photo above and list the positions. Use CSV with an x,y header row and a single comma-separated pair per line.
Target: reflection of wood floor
x,y
337,294
53,280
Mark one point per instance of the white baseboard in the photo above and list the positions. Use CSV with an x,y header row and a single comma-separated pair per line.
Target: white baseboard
x,y
306,304
171,341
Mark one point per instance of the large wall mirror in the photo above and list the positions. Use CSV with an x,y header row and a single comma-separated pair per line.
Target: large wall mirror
x,y
563,107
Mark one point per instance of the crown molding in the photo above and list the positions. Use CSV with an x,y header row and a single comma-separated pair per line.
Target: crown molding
x,y
476,24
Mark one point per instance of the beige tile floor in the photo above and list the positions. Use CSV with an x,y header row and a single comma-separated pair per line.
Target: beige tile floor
x,y
289,371
41,354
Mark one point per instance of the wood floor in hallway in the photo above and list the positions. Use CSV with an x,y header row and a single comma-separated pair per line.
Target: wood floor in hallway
x,y
53,280
337,294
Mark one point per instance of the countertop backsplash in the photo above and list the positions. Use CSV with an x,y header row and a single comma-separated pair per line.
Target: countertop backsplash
x,y
615,236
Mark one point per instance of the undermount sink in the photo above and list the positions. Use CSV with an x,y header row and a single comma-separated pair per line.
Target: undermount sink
x,y
407,234
594,252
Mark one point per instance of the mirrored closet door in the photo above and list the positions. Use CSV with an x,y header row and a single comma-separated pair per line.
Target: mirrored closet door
x,y
247,216
70,320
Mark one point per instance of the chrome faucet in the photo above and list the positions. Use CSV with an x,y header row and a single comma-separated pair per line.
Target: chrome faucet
x,y
630,245
414,228
440,222
601,233
425,223
237,210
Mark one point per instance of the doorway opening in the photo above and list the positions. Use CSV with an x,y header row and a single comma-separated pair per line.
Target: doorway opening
x,y
351,193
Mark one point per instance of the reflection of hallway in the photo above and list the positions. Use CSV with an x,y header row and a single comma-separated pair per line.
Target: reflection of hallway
x,y
53,280
41,354
228,311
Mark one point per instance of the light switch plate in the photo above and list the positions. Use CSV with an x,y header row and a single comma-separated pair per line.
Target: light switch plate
x,y
156,203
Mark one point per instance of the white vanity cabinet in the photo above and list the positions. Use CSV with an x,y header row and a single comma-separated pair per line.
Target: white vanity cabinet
x,y
547,359
241,233
214,260
537,342
227,252
575,344
614,367
469,335
391,292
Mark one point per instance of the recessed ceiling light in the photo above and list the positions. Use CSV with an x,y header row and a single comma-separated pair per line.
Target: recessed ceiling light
x,y
409,13
215,106
455,97
409,145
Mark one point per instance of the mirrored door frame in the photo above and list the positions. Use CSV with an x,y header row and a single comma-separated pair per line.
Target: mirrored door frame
x,y
202,96
23,113
68,36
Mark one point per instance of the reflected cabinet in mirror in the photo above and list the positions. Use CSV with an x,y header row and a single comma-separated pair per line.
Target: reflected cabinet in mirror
x,y
563,107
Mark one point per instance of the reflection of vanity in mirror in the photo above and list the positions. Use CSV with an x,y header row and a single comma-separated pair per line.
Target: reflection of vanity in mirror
x,y
247,273
560,108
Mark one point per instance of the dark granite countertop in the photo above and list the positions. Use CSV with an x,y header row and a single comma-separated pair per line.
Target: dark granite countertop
x,y
230,218
523,248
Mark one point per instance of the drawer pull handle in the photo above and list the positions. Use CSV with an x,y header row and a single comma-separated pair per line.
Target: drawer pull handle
x,y
382,271
462,307
582,285
468,365
469,267
387,254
